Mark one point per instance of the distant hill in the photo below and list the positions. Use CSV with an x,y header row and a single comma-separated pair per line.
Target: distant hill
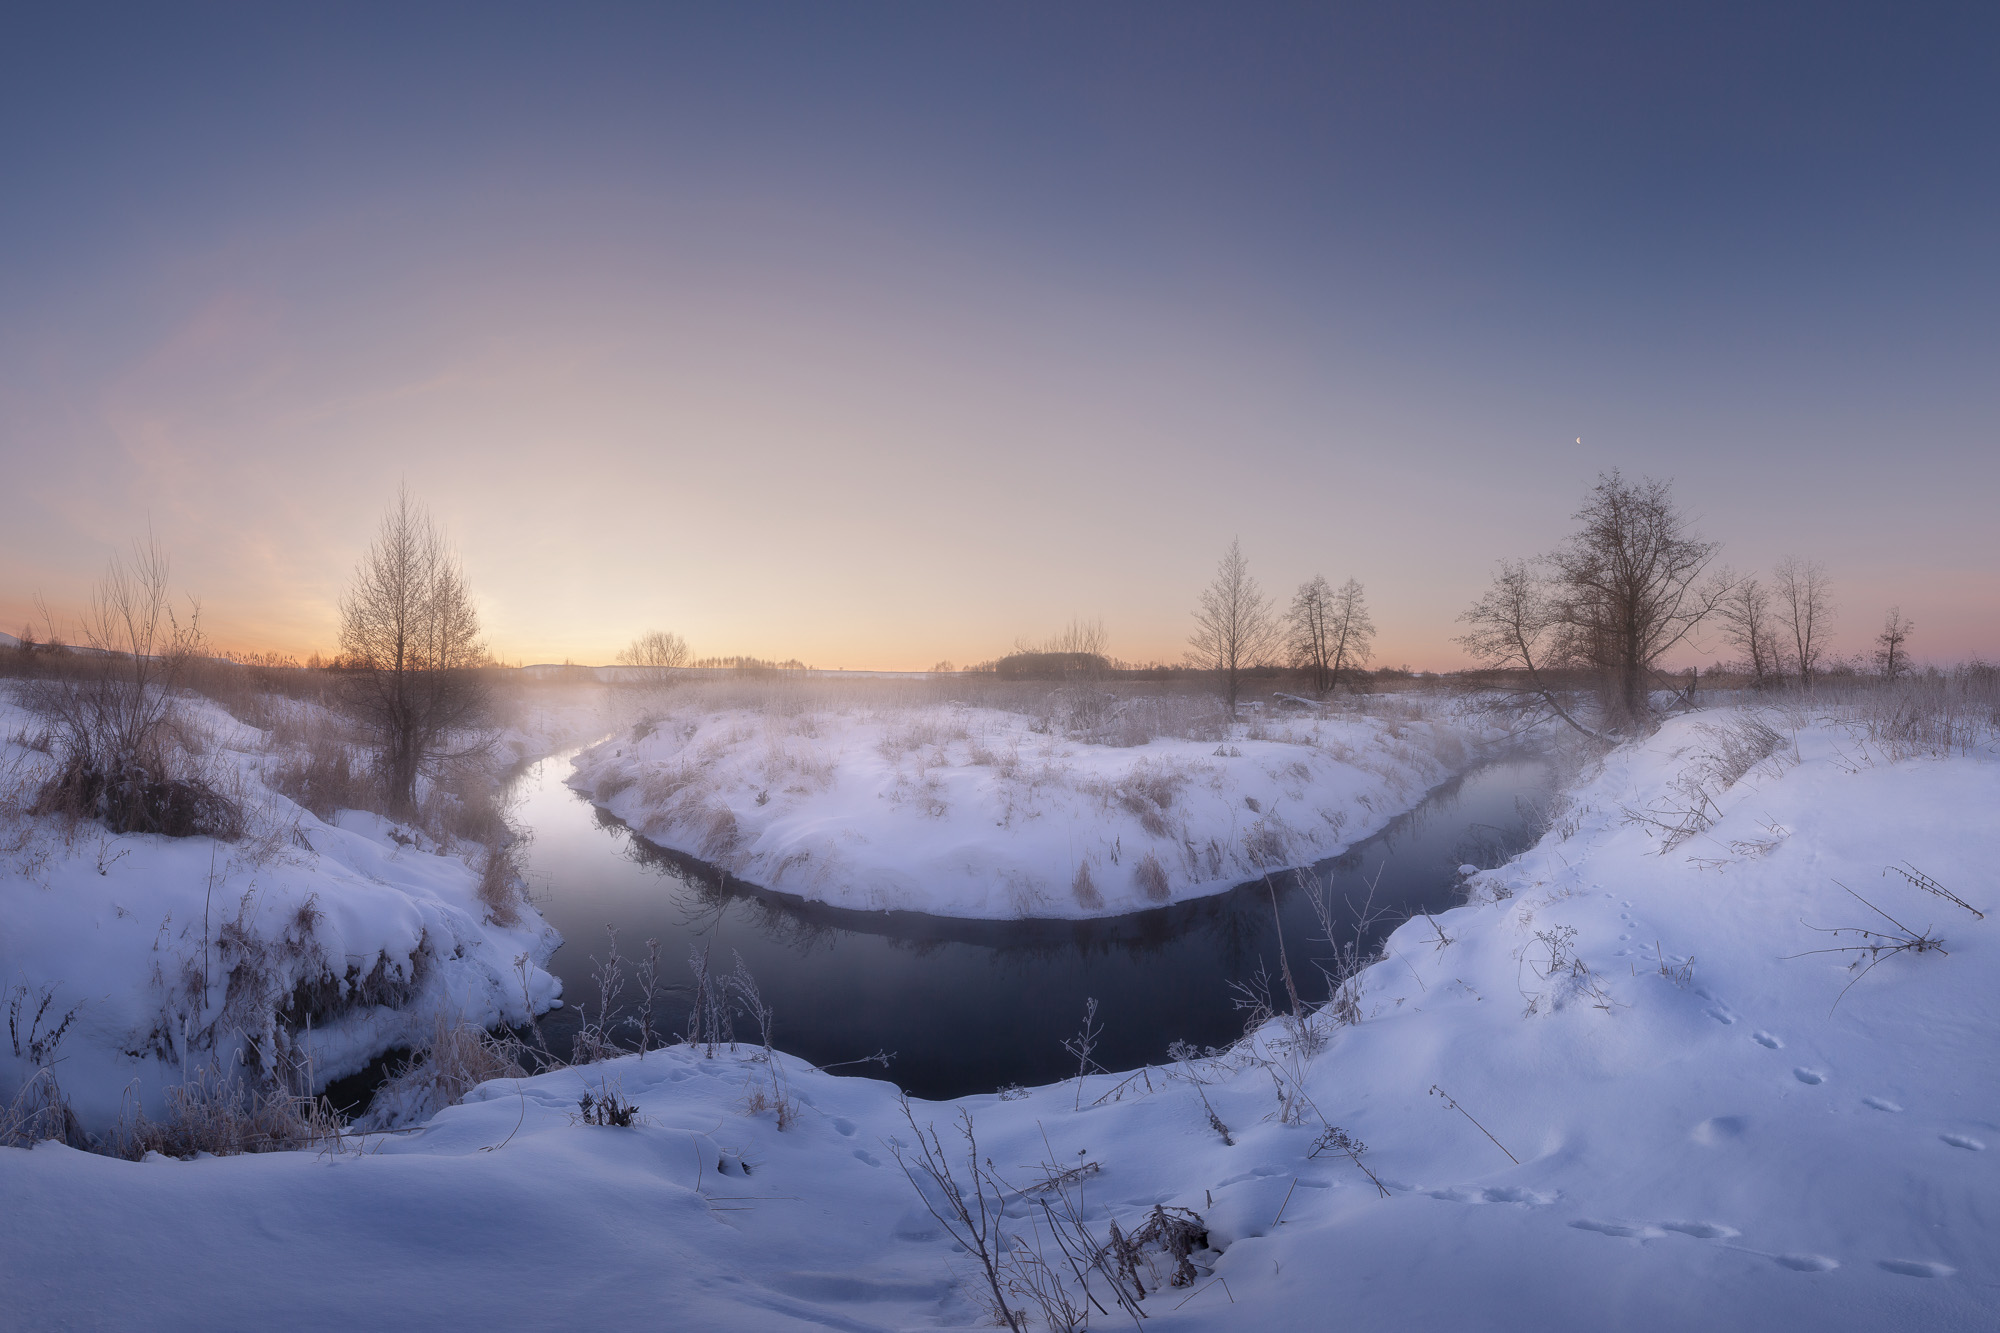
x,y
9,641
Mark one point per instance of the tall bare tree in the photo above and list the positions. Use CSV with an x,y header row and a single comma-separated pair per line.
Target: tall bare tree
x,y
410,636
657,655
1309,631
1625,589
1745,616
1805,611
1328,631
1513,629
1234,627
1353,628
1890,655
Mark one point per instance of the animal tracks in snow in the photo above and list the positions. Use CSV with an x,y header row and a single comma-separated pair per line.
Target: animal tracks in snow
x,y
1767,1041
1717,1010
1624,1230
1881,1103
1703,1230
1501,1194
1965,1141
1656,1230
1720,1129
1798,1263
1915,1267
1810,1077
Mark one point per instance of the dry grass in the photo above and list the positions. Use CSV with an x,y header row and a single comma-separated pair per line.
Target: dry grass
x,y
319,763
457,1056
211,1112
502,884
40,1112
1084,890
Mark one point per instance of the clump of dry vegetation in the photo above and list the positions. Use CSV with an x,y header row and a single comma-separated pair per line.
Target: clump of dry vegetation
x,y
457,1057
126,754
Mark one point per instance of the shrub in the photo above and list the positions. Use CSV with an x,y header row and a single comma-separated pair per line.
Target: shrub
x,y
501,887
1084,890
457,1057
1151,877
318,769
113,711
213,1113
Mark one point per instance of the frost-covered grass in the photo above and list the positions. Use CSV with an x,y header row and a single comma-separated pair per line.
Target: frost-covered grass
x,y
1666,1111
1013,800
272,962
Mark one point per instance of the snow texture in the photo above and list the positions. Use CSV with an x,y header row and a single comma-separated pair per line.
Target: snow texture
x,y
1665,1115
161,944
977,812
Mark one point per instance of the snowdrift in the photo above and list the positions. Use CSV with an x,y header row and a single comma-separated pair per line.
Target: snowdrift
x,y
969,811
1617,1088
307,944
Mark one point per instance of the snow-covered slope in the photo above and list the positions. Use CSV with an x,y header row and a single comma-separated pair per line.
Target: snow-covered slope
x,y
170,949
1634,1141
977,812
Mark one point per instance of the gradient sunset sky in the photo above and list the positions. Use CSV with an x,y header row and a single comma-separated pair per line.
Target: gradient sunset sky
x,y
878,334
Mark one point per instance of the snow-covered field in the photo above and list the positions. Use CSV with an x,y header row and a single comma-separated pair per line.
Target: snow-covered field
x,y
978,811
1666,1113
175,950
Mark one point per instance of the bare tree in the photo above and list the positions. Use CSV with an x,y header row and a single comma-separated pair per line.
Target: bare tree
x,y
1309,631
1079,638
1328,631
1805,612
115,711
410,636
1234,628
1745,614
1890,655
1513,629
657,655
1353,628
1622,592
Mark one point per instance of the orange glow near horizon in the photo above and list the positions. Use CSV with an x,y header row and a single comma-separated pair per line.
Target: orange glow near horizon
x,y
753,466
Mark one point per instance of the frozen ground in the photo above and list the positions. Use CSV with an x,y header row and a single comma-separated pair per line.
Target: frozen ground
x,y
1684,1120
175,950
968,811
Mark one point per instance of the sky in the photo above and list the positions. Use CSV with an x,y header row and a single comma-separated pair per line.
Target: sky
x,y
874,335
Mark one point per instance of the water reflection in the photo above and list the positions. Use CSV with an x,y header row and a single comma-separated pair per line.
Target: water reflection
x,y
973,1005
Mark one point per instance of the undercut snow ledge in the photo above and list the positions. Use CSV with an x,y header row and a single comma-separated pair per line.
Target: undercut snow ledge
x,y
369,929
970,812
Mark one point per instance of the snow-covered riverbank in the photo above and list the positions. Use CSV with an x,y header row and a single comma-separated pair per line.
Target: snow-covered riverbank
x,y
968,811
308,944
1666,1113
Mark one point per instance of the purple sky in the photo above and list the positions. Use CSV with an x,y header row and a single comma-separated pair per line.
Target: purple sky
x,y
875,335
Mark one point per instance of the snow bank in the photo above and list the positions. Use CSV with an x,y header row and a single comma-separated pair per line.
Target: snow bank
x,y
970,811
1662,1120
306,941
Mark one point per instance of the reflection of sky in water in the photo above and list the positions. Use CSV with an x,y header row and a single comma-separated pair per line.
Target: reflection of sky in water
x,y
968,1006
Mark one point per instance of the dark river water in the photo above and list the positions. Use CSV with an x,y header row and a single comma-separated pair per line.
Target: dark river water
x,y
971,1006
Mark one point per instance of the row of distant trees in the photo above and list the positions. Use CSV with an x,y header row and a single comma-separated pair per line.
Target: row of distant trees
x,y
1326,630
1632,584
1783,628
